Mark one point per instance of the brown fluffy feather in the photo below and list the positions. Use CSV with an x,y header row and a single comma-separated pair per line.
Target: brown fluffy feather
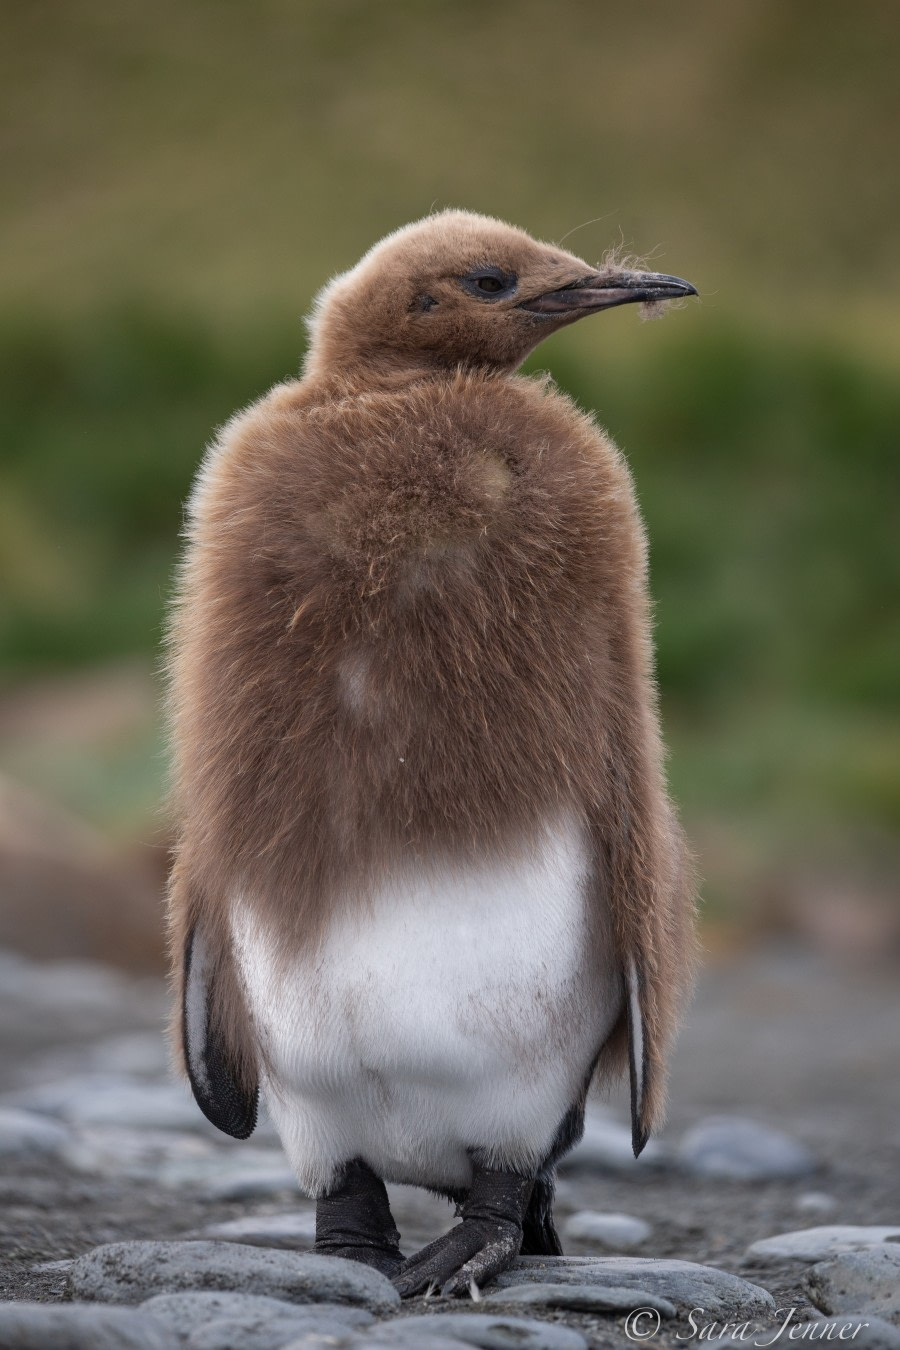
x,y
413,620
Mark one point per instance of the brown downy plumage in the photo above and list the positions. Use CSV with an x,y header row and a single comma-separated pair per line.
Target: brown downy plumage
x,y
413,623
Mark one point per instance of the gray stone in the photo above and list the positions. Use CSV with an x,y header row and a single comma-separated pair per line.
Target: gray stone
x,y
109,1099
25,1134
606,1147
865,1332
683,1283
55,1096
583,1298
130,1272
130,1055
295,1231
863,1282
741,1150
817,1244
815,1202
392,1333
376,1339
219,1170
610,1230
484,1330
60,1326
252,1183
224,1321
165,1157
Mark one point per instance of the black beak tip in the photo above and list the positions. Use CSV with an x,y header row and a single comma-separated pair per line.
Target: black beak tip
x,y
673,288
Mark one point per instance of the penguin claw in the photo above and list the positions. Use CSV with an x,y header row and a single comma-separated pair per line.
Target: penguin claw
x,y
460,1261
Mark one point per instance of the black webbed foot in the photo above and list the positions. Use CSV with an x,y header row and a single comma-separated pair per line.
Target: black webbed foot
x,y
354,1221
486,1242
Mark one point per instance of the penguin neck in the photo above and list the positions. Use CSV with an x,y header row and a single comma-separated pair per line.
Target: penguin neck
x,y
367,368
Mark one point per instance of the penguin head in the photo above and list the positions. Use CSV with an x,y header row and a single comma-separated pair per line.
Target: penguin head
x,y
458,289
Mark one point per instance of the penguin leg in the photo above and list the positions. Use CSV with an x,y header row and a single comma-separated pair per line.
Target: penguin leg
x,y
539,1235
487,1241
354,1220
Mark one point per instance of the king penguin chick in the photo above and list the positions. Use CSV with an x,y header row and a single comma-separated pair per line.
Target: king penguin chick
x,y
428,881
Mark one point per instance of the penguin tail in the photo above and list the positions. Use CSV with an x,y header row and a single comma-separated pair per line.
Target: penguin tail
x,y
539,1235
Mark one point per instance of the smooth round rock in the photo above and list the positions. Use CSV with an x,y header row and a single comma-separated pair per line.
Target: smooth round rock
x,y
25,1134
815,1202
372,1340
684,1283
130,1272
741,1150
254,1332
111,1099
188,1314
259,1182
582,1298
292,1232
863,1282
817,1244
487,1332
65,1326
610,1230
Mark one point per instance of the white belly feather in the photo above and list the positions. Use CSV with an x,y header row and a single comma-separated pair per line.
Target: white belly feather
x,y
451,1010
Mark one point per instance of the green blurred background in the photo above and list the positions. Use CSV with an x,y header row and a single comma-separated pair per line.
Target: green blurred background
x,y
179,180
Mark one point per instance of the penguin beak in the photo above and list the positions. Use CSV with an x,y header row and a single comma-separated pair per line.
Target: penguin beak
x,y
605,290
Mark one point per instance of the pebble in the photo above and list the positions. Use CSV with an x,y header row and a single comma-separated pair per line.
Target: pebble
x,y
684,1283
815,1202
25,1134
61,1326
862,1281
291,1231
130,1272
220,1321
606,1147
583,1298
816,1244
610,1230
741,1150
483,1330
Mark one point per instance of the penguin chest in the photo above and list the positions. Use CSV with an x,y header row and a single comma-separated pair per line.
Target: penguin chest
x,y
450,1010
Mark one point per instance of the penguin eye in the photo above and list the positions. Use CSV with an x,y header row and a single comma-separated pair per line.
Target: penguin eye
x,y
489,283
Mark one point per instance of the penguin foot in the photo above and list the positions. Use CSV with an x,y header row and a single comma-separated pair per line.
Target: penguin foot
x,y
354,1221
486,1242
386,1259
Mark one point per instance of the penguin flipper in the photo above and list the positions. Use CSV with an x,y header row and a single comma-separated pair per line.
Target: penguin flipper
x,y
220,1088
637,1058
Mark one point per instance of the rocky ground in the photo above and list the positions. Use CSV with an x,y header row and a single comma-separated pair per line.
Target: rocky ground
x,y
784,1119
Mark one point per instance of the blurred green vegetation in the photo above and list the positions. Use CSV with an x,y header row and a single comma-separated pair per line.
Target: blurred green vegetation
x,y
762,466
180,179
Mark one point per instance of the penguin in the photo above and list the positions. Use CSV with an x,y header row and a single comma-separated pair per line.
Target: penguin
x,y
428,883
